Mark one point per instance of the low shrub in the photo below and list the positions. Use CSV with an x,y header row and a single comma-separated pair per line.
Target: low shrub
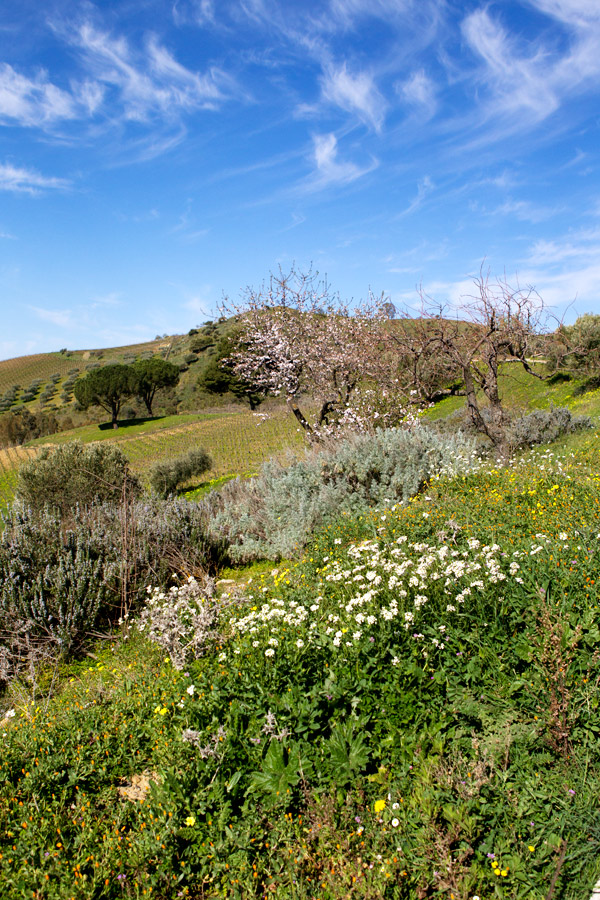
x,y
590,384
274,514
58,582
54,585
75,473
545,425
166,477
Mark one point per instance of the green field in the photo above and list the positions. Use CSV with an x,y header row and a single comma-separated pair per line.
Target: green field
x,y
238,441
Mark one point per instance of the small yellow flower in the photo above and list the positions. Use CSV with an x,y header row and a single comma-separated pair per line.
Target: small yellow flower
x,y
191,820
504,873
157,710
379,806
531,849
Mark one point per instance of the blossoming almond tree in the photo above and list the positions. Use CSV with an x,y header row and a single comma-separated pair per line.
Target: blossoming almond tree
x,y
301,341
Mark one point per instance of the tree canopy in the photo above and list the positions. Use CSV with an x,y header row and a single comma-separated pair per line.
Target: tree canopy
x,y
152,374
219,377
107,387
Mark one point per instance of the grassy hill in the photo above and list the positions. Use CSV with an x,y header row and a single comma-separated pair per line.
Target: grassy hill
x,y
448,745
407,710
44,381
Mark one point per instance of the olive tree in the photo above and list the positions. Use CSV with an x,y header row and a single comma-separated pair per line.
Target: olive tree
x,y
73,474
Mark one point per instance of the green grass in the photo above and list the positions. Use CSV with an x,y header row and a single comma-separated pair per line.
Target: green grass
x,y
523,392
128,428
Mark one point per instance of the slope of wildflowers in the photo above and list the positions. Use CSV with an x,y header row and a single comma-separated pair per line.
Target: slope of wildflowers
x,y
409,711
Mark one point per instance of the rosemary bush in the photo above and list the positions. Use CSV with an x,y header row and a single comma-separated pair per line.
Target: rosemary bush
x,y
60,581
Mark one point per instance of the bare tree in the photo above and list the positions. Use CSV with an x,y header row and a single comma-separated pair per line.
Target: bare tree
x,y
499,325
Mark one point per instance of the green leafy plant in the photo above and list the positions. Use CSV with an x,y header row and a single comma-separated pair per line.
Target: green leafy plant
x,y
348,753
166,477
76,474
279,774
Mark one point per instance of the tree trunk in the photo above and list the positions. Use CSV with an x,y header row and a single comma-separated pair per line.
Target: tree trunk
x,y
115,412
298,413
328,407
472,403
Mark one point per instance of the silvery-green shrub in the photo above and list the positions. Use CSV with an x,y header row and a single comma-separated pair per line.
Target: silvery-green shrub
x,y
545,425
274,514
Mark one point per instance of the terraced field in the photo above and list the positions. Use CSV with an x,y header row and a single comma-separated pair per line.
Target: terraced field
x,y
24,379
238,441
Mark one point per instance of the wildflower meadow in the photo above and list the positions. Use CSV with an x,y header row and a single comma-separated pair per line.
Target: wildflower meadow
x,y
408,710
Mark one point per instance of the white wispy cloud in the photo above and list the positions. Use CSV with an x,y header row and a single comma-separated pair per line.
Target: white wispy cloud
x,y
198,12
148,82
424,187
63,318
33,101
583,244
525,211
419,90
349,13
573,291
112,299
329,168
517,82
355,93
14,178
572,12
199,305
537,79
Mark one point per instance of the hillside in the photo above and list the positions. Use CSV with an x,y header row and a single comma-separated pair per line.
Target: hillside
x,y
408,710
44,381
403,707
238,440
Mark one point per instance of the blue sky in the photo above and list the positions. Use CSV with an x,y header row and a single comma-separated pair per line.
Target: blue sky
x,y
155,155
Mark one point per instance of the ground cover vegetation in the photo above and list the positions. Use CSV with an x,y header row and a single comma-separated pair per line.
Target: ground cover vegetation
x,y
405,707
408,710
